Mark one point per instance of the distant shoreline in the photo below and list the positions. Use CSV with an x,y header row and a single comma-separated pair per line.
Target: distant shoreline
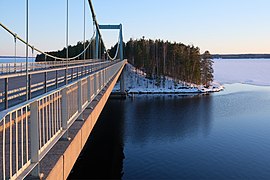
x,y
10,57
241,56
214,56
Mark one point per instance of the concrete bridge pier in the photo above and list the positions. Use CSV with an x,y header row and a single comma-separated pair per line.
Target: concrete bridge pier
x,y
122,82
123,93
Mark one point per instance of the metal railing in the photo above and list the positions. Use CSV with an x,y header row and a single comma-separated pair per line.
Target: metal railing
x,y
13,86
19,67
29,130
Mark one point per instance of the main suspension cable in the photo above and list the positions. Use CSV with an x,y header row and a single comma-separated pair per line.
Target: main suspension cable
x,y
98,29
40,51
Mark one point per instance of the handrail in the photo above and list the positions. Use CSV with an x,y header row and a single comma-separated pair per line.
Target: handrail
x,y
8,68
51,68
10,94
49,117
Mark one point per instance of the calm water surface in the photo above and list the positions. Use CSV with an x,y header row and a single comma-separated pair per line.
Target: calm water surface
x,y
224,135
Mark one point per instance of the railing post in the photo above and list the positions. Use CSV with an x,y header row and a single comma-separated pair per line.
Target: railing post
x,y
95,84
34,136
89,89
29,87
56,79
6,93
80,100
100,80
104,78
45,81
4,149
72,69
64,112
105,75
66,76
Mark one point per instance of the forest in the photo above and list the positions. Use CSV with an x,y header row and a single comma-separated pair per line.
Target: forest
x,y
72,52
157,58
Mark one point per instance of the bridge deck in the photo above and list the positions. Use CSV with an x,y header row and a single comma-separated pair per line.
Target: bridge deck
x,y
59,162
42,80
50,114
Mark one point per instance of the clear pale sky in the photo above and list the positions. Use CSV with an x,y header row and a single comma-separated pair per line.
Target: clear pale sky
x,y
220,26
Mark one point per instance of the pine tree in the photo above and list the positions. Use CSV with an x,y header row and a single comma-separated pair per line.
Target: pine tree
x,y
206,69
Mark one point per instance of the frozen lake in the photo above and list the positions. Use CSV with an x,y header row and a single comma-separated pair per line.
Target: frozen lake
x,y
246,71
224,135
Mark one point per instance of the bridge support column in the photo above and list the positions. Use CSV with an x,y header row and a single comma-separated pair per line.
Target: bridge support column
x,y
121,43
122,83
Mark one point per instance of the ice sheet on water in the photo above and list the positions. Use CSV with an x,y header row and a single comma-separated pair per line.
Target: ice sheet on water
x,y
246,71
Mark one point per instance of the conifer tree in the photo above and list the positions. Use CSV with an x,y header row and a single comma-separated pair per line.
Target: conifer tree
x,y
206,69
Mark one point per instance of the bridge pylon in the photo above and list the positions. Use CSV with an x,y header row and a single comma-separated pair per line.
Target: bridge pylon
x,y
119,27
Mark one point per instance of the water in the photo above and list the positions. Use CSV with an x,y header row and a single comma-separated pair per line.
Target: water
x,y
18,60
220,136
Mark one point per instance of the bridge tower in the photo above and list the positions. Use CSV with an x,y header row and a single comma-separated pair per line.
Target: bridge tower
x,y
119,27
121,52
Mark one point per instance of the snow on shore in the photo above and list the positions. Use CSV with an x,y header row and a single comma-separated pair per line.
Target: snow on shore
x,y
245,71
226,71
137,83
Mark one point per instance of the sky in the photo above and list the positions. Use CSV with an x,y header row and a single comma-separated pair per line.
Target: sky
x,y
220,26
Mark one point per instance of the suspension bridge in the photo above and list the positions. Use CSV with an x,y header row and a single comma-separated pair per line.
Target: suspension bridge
x,y
48,108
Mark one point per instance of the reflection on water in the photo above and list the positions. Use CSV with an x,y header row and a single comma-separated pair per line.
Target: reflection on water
x,y
219,136
163,118
156,125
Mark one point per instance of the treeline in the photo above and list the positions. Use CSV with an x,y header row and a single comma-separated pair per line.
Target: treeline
x,y
156,58
241,56
159,58
72,52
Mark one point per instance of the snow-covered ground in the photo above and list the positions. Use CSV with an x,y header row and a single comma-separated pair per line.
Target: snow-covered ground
x,y
245,71
136,82
226,71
